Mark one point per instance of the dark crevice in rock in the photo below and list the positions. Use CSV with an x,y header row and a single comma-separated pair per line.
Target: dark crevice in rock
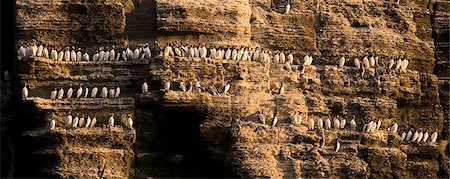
x,y
171,144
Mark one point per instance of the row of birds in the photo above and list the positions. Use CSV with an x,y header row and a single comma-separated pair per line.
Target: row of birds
x,y
105,93
337,123
266,56
80,122
59,94
142,51
419,137
321,124
231,53
186,87
373,62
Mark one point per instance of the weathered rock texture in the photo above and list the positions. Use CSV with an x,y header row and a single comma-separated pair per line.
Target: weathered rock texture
x,y
441,32
216,21
63,22
69,152
327,30
288,151
255,150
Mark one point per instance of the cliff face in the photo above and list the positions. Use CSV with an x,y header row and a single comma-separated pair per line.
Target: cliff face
x,y
441,35
290,151
210,22
74,152
170,121
328,30
65,22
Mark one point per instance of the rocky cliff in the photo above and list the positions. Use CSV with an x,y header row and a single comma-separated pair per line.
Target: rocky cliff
x,y
174,129
74,152
289,151
63,22
326,29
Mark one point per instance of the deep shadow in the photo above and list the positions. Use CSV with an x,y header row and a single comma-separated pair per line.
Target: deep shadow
x,y
169,145
141,23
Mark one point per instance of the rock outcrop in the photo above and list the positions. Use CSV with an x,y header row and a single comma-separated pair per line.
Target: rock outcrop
x,y
63,22
328,30
211,22
75,152
289,151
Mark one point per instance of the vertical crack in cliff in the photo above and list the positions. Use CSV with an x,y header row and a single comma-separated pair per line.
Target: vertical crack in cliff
x,y
431,10
317,25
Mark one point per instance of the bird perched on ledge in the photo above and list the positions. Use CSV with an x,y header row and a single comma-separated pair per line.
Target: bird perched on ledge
x,y
75,121
24,91
227,87
130,122
69,120
104,92
288,8
80,91
145,87
60,93
94,120
353,123
111,121
53,94
94,92
52,124
70,91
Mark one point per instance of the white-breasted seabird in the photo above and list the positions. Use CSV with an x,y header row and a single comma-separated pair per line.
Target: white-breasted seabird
x,y
53,94
24,91
94,120
52,124
227,87
111,121
130,122
88,122
81,121
75,121
94,92
116,95
343,122
60,93
328,123
70,91
86,91
353,123
104,92
409,135
403,136
338,146
281,91
320,123
394,128
69,120
434,137
111,93
145,87
311,124
275,121
80,91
